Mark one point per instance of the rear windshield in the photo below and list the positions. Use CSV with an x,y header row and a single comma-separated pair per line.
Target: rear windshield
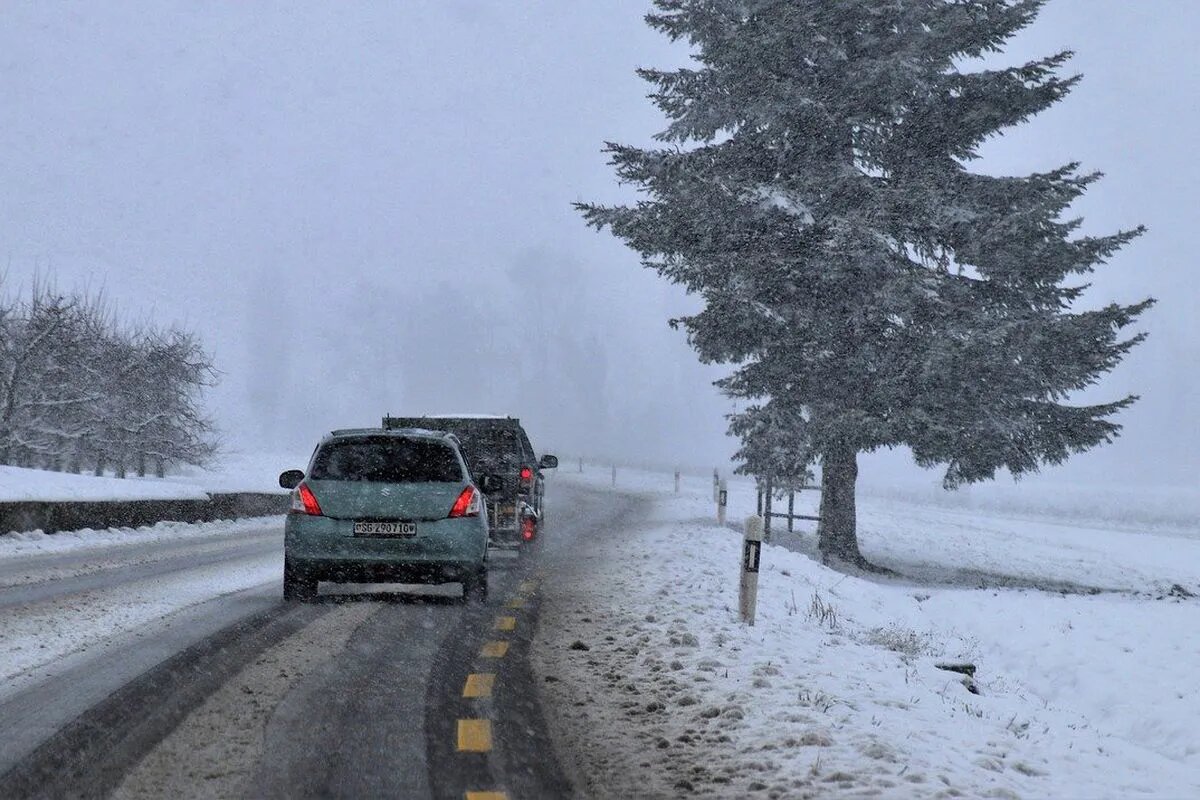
x,y
386,459
490,450
488,446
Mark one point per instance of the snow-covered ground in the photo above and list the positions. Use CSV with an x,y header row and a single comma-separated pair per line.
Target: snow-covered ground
x,y
836,690
74,594
237,472
242,472
79,593
18,484
86,550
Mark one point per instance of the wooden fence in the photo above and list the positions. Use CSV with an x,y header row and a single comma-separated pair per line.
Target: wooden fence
x,y
765,496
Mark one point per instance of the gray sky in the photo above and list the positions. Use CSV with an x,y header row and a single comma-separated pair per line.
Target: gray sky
x,y
366,206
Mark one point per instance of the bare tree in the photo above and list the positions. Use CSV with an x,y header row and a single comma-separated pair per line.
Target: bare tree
x,y
76,388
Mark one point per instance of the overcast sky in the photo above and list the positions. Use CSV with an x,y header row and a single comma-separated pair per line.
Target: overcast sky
x,y
365,207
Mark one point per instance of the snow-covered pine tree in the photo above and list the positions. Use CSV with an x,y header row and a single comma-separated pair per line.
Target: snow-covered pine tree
x,y
813,189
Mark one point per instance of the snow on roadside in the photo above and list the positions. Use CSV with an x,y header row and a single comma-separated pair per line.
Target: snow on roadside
x,y
981,546
239,472
835,691
16,545
18,484
42,633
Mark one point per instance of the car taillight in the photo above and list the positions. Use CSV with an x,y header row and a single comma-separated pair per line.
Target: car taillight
x,y
305,502
528,528
526,475
467,504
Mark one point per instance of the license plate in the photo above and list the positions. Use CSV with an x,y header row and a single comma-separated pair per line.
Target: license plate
x,y
385,529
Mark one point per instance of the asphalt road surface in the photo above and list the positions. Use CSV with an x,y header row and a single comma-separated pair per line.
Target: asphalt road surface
x,y
367,692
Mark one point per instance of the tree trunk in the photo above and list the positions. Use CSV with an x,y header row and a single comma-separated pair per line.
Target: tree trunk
x,y
837,532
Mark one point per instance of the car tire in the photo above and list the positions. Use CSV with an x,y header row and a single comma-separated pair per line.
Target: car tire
x,y
297,584
475,586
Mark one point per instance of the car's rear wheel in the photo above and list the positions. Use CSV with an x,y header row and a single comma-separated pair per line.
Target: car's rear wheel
x,y
475,586
297,584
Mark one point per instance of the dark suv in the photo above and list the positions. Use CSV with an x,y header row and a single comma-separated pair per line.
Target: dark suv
x,y
497,447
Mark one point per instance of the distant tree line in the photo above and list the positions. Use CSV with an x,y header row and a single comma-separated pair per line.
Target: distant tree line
x,y
80,391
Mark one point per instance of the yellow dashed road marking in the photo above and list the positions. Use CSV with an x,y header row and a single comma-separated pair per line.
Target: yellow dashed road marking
x,y
517,602
528,587
494,650
487,796
479,684
506,623
474,735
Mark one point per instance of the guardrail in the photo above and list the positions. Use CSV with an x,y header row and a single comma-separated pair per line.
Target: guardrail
x,y
52,517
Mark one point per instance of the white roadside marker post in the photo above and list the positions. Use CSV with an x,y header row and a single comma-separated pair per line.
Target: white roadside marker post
x,y
722,499
581,466
716,484
614,474
676,481
751,551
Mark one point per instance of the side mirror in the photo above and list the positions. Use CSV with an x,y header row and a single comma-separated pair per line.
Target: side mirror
x,y
291,479
548,462
488,483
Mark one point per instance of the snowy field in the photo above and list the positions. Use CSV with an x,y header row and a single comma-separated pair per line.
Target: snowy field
x,y
1085,638
232,473
22,485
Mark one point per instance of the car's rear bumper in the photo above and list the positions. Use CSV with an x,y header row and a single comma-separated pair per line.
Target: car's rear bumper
x,y
350,571
501,537
441,550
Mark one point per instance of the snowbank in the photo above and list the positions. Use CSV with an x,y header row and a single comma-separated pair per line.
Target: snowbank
x,y
836,690
26,543
25,485
234,473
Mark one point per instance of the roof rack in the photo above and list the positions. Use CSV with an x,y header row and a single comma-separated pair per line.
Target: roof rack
x,y
393,423
394,429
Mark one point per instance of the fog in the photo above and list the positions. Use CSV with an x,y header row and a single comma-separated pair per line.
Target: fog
x,y
365,207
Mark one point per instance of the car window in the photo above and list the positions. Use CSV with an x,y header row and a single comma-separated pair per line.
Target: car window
x,y
387,460
490,449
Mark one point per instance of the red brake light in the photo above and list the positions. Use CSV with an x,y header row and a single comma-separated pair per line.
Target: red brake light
x,y
305,502
526,473
467,504
527,528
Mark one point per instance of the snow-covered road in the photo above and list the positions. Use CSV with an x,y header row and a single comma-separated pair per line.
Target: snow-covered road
x,y
79,595
242,694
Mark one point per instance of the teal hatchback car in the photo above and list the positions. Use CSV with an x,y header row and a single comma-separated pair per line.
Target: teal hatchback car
x,y
396,506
